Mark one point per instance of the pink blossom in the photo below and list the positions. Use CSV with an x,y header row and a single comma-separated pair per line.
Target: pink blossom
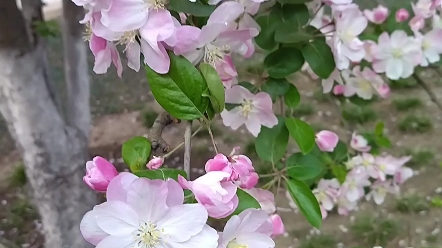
x,y
368,46
216,194
417,23
402,15
423,8
254,110
365,83
379,190
338,90
378,15
105,53
265,198
227,72
431,44
354,184
249,181
155,163
344,205
278,225
326,193
383,166
347,46
396,55
327,140
126,223
402,175
359,143
251,228
327,84
99,172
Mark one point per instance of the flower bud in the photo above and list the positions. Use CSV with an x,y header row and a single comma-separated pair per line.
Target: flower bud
x,y
99,172
326,140
155,163
378,15
278,225
402,15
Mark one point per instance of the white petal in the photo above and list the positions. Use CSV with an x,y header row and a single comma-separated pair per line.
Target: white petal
x,y
116,218
207,238
117,242
90,230
253,240
394,69
251,220
183,221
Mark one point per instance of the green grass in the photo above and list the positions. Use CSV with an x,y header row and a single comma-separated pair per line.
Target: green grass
x,y
420,158
319,241
412,203
370,230
358,115
415,124
18,177
404,104
303,109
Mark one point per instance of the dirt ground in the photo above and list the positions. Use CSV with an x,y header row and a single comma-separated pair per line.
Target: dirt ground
x,y
123,107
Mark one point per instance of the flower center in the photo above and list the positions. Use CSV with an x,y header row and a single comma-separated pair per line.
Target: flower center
x,y
426,45
382,167
364,85
397,53
156,4
233,244
87,32
347,36
128,37
213,54
148,236
246,107
366,163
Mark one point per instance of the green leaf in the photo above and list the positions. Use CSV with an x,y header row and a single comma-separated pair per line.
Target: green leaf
x,y
194,8
292,98
287,34
296,13
306,201
136,152
340,172
268,24
163,173
248,86
302,133
246,201
304,167
180,92
283,62
271,143
215,86
340,152
379,129
383,141
320,58
275,87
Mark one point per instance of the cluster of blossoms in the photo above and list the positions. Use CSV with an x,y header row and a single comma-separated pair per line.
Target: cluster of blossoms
x,y
396,54
368,176
140,212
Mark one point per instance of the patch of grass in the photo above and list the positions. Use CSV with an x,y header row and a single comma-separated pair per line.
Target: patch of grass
x,y
18,177
319,241
403,84
372,230
149,118
415,124
404,104
303,110
320,96
412,203
420,157
354,114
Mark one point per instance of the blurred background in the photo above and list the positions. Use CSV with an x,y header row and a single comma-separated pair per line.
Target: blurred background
x,y
123,108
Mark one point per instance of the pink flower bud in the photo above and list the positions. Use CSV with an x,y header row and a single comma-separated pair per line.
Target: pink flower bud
x,y
377,15
327,140
338,90
155,163
402,15
249,181
417,23
278,225
227,72
99,172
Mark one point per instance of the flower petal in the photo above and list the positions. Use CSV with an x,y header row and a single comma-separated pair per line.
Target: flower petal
x,y
90,230
116,218
117,242
117,189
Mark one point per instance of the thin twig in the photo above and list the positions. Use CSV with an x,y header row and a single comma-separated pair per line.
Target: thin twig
x,y
428,90
187,148
182,143
156,131
212,138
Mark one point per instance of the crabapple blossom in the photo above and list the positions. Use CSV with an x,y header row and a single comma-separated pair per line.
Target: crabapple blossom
x,y
278,225
126,223
105,53
347,46
327,84
379,190
265,198
359,143
396,55
354,184
378,15
327,140
155,163
227,72
99,172
402,175
417,23
253,111
238,166
344,205
402,15
423,8
369,46
431,44
251,228
326,193
212,191
338,90
365,83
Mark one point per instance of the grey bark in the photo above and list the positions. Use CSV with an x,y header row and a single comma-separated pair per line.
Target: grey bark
x,y
54,153
76,68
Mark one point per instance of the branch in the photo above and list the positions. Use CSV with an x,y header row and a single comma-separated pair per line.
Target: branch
x,y
156,132
187,148
428,90
78,114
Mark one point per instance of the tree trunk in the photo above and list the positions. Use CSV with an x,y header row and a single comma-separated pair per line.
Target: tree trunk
x,y
54,153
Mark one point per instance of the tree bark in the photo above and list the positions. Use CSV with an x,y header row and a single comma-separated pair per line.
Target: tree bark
x,y
54,153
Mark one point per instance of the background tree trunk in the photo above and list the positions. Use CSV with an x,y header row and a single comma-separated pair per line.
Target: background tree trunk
x,y
54,153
